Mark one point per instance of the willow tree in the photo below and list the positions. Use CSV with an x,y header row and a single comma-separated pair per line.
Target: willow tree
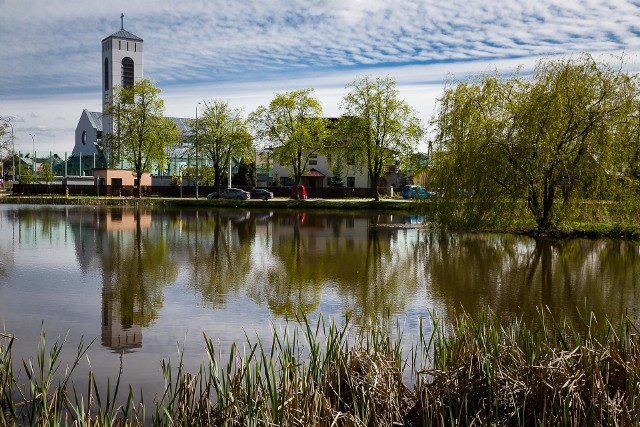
x,y
142,136
292,127
547,140
379,125
222,132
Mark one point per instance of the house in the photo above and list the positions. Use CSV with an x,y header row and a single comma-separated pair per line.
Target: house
x,y
322,172
117,178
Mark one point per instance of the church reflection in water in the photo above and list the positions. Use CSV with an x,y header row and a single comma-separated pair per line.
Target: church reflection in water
x,y
365,263
280,261
119,333
112,241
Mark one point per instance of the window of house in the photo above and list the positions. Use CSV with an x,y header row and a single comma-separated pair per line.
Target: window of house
x,y
351,181
351,159
329,180
313,162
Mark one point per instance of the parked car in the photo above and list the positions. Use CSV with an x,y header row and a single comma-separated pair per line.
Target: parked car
x,y
230,193
299,192
415,192
261,193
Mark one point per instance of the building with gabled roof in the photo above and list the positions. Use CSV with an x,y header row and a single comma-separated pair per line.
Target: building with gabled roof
x,y
122,65
89,133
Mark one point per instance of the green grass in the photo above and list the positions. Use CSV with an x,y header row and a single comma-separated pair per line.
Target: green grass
x,y
480,371
310,204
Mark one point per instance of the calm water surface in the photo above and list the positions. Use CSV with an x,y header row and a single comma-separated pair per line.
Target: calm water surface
x,y
143,283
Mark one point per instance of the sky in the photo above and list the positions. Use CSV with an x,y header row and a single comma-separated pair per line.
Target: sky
x,y
246,51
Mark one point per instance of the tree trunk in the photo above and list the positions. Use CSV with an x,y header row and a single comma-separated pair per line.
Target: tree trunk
x,y
298,178
218,174
137,182
374,188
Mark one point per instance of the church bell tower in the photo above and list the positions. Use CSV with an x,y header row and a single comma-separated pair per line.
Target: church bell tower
x,y
122,65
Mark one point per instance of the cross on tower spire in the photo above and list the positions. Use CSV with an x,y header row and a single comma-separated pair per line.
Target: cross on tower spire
x,y
122,21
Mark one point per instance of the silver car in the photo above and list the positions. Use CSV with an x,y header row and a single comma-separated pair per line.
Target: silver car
x,y
230,193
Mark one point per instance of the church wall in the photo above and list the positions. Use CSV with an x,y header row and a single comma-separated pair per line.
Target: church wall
x,y
84,125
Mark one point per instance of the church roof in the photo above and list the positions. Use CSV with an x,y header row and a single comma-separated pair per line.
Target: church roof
x,y
96,119
182,123
124,34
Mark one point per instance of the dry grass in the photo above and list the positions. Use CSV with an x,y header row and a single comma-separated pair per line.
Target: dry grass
x,y
472,372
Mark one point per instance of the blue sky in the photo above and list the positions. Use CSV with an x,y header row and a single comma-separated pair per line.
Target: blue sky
x,y
245,51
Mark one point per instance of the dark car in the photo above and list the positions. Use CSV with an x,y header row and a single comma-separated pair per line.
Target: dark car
x,y
261,193
230,193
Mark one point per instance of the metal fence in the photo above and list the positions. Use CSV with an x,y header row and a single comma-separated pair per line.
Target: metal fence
x,y
60,187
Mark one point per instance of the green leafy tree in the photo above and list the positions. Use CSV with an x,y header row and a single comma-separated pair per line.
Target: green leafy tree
x,y
293,127
379,125
276,180
26,175
189,173
46,172
222,133
142,135
206,175
246,175
554,137
338,169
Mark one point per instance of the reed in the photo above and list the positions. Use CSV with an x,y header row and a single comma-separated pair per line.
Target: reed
x,y
474,370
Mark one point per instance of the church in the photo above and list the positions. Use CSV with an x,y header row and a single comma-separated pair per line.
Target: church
x,y
122,65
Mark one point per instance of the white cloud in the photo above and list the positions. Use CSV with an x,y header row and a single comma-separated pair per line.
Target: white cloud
x,y
49,62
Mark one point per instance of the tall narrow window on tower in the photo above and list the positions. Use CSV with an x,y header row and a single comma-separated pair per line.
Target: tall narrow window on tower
x,y
127,72
106,74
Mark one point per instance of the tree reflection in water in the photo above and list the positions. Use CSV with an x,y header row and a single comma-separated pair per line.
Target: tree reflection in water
x,y
515,275
369,264
135,265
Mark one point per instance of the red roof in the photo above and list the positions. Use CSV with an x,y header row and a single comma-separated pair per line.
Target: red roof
x,y
313,172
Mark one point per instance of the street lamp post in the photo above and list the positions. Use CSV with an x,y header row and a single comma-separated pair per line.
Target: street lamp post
x,y
196,144
33,149
181,171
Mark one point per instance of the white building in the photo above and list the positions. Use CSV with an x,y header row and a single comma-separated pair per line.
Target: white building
x,y
319,174
122,65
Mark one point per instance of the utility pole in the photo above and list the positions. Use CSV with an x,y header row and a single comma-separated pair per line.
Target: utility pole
x,y
196,144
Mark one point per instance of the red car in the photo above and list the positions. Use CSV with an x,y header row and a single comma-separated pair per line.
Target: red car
x,y
299,192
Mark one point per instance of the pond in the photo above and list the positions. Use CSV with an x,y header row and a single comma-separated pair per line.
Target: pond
x,y
145,283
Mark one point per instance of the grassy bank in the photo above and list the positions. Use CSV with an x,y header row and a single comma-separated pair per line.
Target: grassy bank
x,y
347,204
591,223
473,371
